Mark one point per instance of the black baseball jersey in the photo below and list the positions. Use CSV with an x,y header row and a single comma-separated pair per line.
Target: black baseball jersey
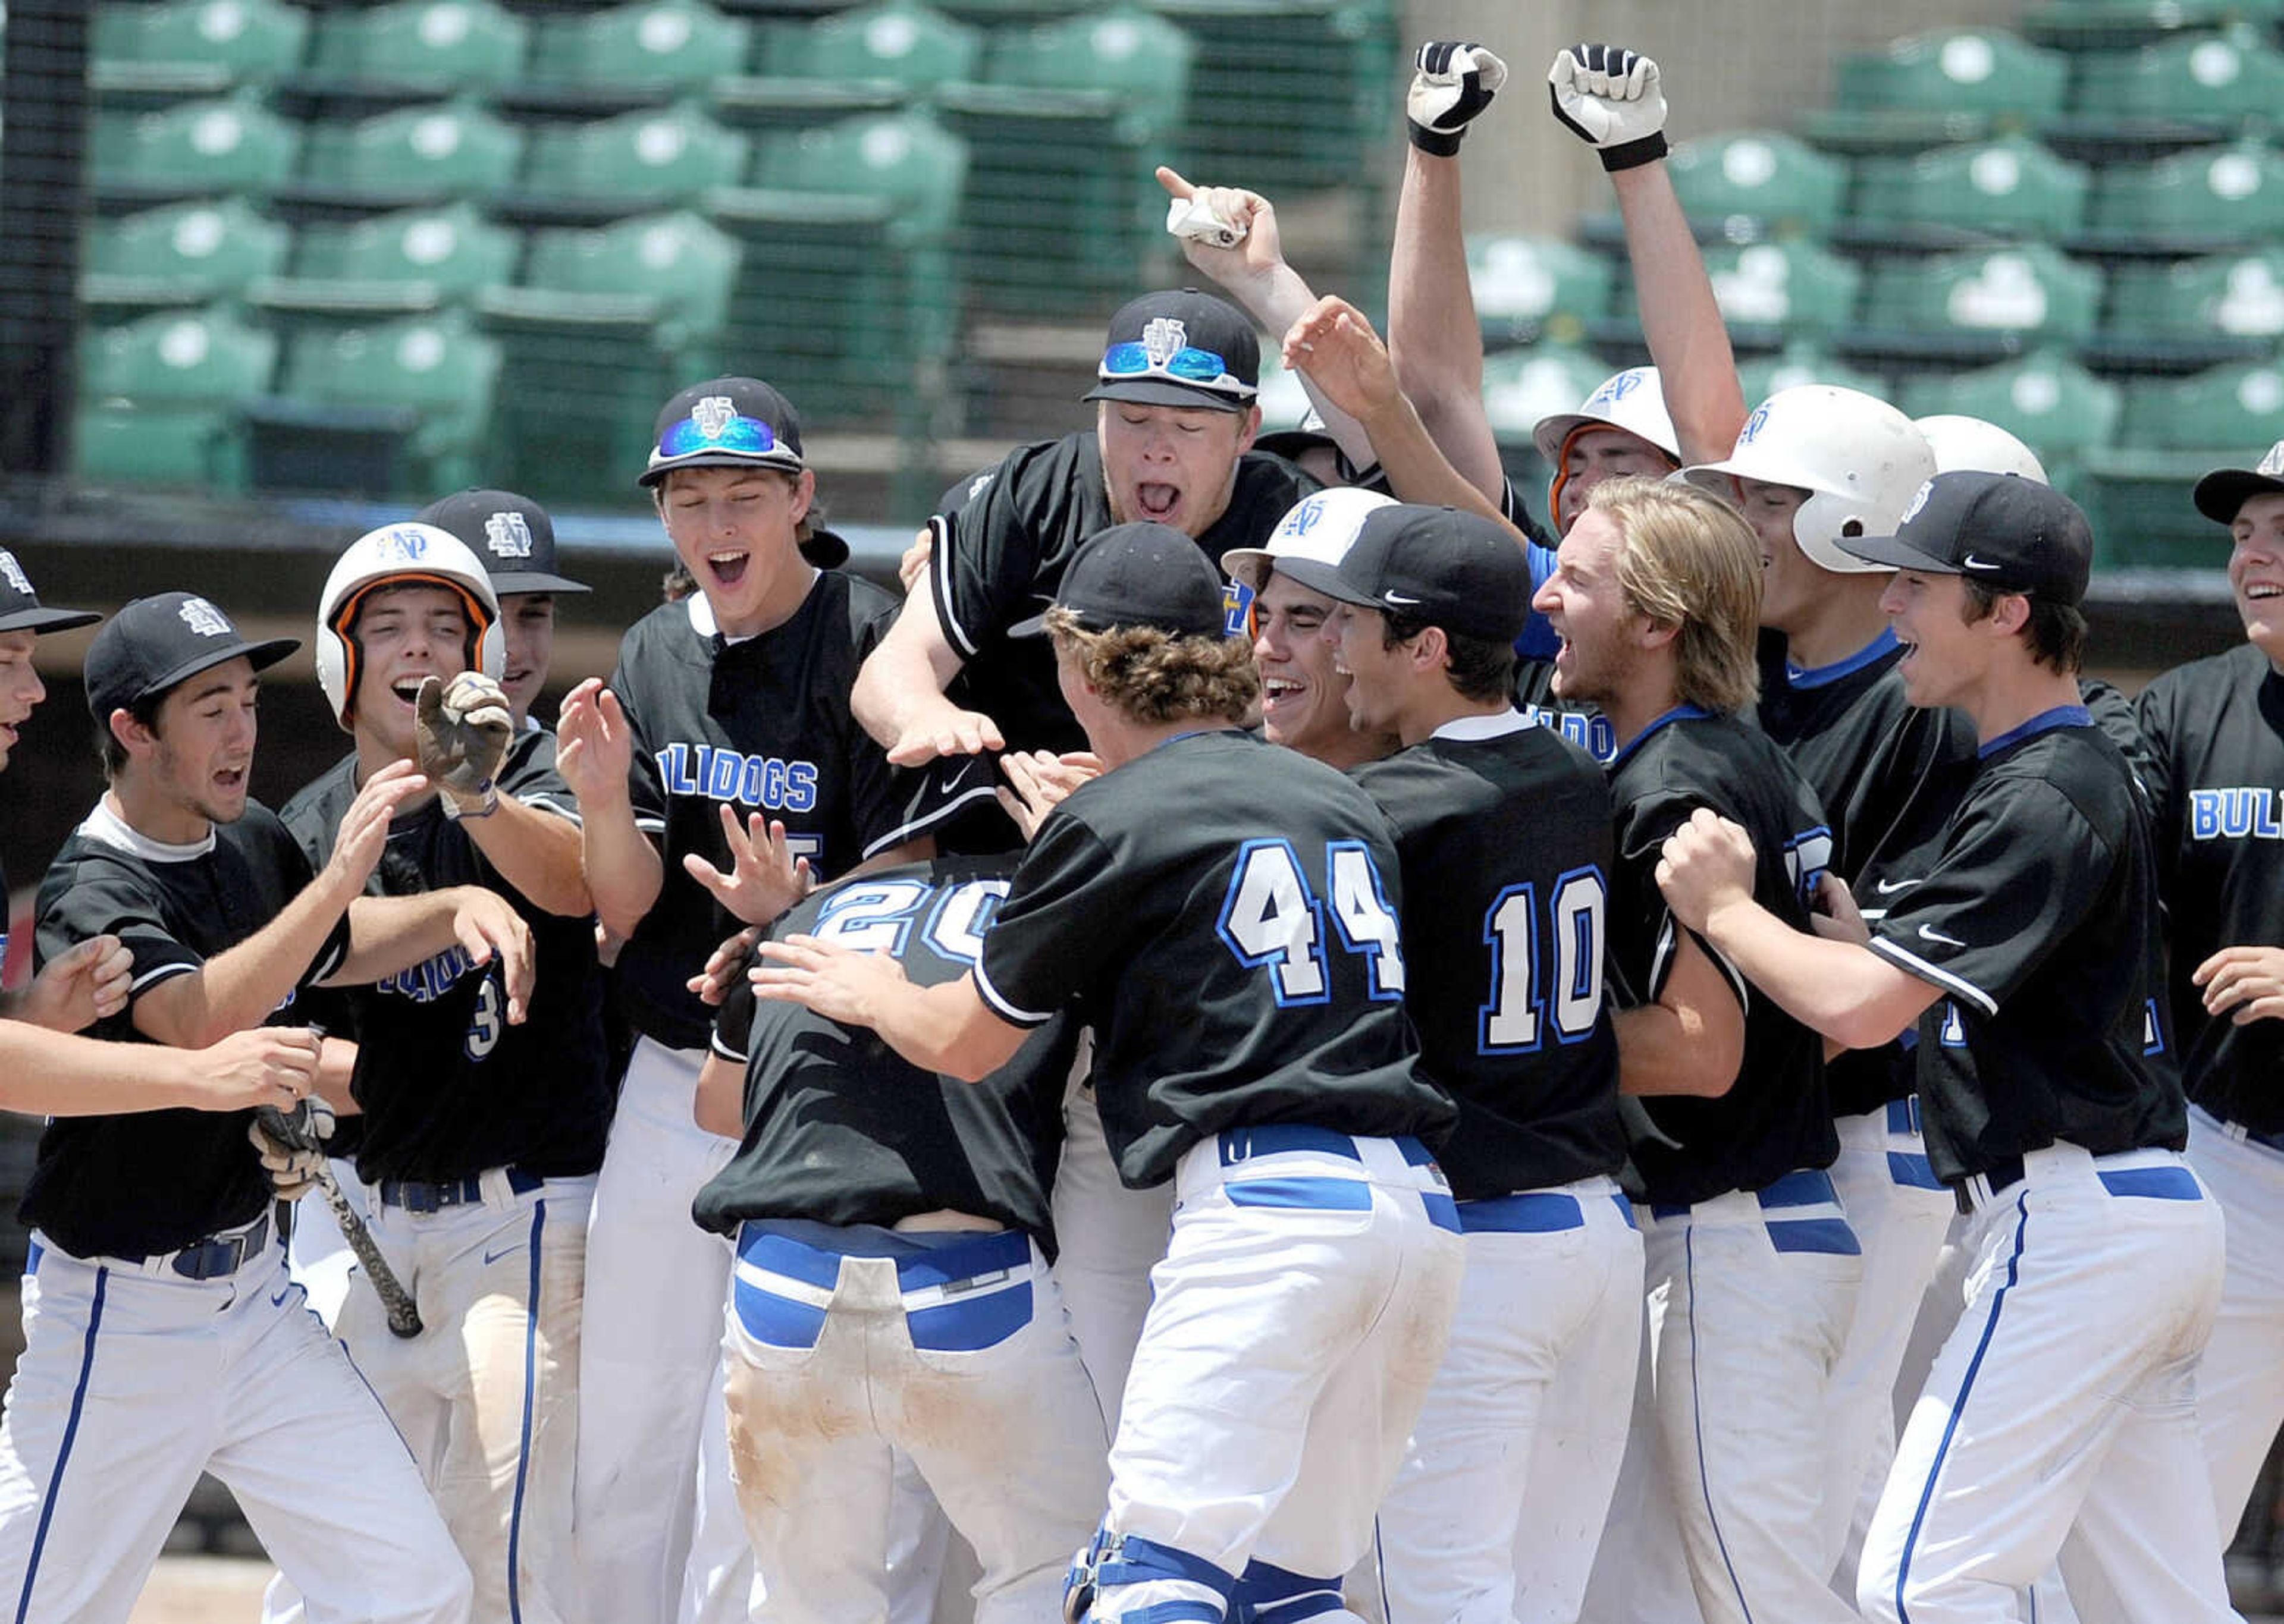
x,y
1777,1116
2038,922
762,723
999,558
840,1127
2216,734
448,1087
1228,909
1503,831
139,1184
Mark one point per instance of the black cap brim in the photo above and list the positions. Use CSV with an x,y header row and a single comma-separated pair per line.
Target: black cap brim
x,y
260,656
1893,552
2221,493
1319,576
1035,626
536,580
37,619
1159,391
826,549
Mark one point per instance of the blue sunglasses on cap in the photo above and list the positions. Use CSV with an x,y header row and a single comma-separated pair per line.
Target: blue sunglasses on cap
x,y
739,433
1202,367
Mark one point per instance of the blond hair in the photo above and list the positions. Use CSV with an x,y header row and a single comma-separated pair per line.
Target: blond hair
x,y
1152,677
1689,560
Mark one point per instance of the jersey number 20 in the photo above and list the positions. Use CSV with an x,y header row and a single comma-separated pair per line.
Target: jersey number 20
x,y
1270,917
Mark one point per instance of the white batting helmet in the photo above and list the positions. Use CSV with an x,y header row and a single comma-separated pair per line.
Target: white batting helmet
x,y
395,555
1633,400
1978,446
1322,527
1860,460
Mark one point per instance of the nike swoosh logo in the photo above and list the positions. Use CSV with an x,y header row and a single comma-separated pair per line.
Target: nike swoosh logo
x,y
493,1257
955,780
1928,933
1398,599
1888,887
1971,562
278,1301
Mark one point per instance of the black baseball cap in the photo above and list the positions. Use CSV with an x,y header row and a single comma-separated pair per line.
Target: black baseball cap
x,y
2011,534
1139,574
2222,492
21,609
156,643
1181,347
513,535
1435,565
725,423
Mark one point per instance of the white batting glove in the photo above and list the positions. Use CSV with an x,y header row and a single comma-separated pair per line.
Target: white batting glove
x,y
1610,98
1194,218
1455,80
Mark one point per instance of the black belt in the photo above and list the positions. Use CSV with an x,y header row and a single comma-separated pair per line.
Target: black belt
x,y
220,1254
426,1195
2002,1175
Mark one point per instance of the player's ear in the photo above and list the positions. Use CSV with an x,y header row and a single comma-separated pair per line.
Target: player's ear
x,y
1430,650
1650,634
1248,426
133,736
804,492
2010,613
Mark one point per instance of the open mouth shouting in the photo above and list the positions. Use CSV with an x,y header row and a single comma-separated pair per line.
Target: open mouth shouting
x,y
1156,502
728,566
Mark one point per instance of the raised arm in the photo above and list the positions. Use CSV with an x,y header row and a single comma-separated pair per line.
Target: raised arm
x,y
595,755
898,697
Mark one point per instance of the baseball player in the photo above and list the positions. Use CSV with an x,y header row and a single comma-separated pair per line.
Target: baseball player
x,y
2059,1415
2216,730
480,1139
726,722
163,1336
1751,1263
892,1289
1503,832
1242,967
1175,418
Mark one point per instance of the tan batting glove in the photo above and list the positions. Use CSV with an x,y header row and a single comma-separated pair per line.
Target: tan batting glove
x,y
293,1166
461,730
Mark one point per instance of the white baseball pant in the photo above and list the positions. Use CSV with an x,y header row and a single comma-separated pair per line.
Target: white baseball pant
x,y
1507,1480
2241,1384
1111,1239
2060,1417
1297,1322
135,1380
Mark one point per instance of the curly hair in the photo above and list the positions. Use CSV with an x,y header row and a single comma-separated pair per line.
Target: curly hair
x,y
1151,675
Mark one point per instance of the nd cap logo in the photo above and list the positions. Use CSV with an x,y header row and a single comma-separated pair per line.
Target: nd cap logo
x,y
1755,424
713,414
15,573
203,618
1919,501
508,536
1163,338
407,544
1615,389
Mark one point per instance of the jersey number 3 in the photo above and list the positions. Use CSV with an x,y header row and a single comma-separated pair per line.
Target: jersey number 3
x,y
1270,917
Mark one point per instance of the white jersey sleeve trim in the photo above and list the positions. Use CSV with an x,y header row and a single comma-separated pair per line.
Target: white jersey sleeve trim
x,y
940,538
921,825
548,803
152,977
725,1050
1914,964
651,825
1002,1007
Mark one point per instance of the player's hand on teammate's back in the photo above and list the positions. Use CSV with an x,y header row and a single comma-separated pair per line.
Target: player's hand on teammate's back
x,y
1037,782
937,727
1606,96
1704,865
724,965
764,877
1226,232
78,986
486,926
364,832
264,1066
594,743
1335,347
1836,918
2247,979
833,980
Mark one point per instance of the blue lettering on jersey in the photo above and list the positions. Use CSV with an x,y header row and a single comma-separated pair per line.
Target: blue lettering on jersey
x,y
1954,1029
1806,858
2237,813
430,979
2153,1030
1236,609
1590,731
716,774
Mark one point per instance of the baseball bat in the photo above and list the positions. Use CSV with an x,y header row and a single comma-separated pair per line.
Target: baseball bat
x,y
403,1315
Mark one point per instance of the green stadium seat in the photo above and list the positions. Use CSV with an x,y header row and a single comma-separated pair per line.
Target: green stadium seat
x,y
2208,198
1759,176
634,53
185,253
400,410
2239,295
195,358
116,442
409,157
193,148
1927,90
604,325
2172,431
2047,401
1063,208
1526,285
2110,25
2227,406
193,47
1793,287
1522,385
874,58
1762,376
411,262
848,285
2221,80
417,49
1986,301
635,161
1292,95
2011,188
